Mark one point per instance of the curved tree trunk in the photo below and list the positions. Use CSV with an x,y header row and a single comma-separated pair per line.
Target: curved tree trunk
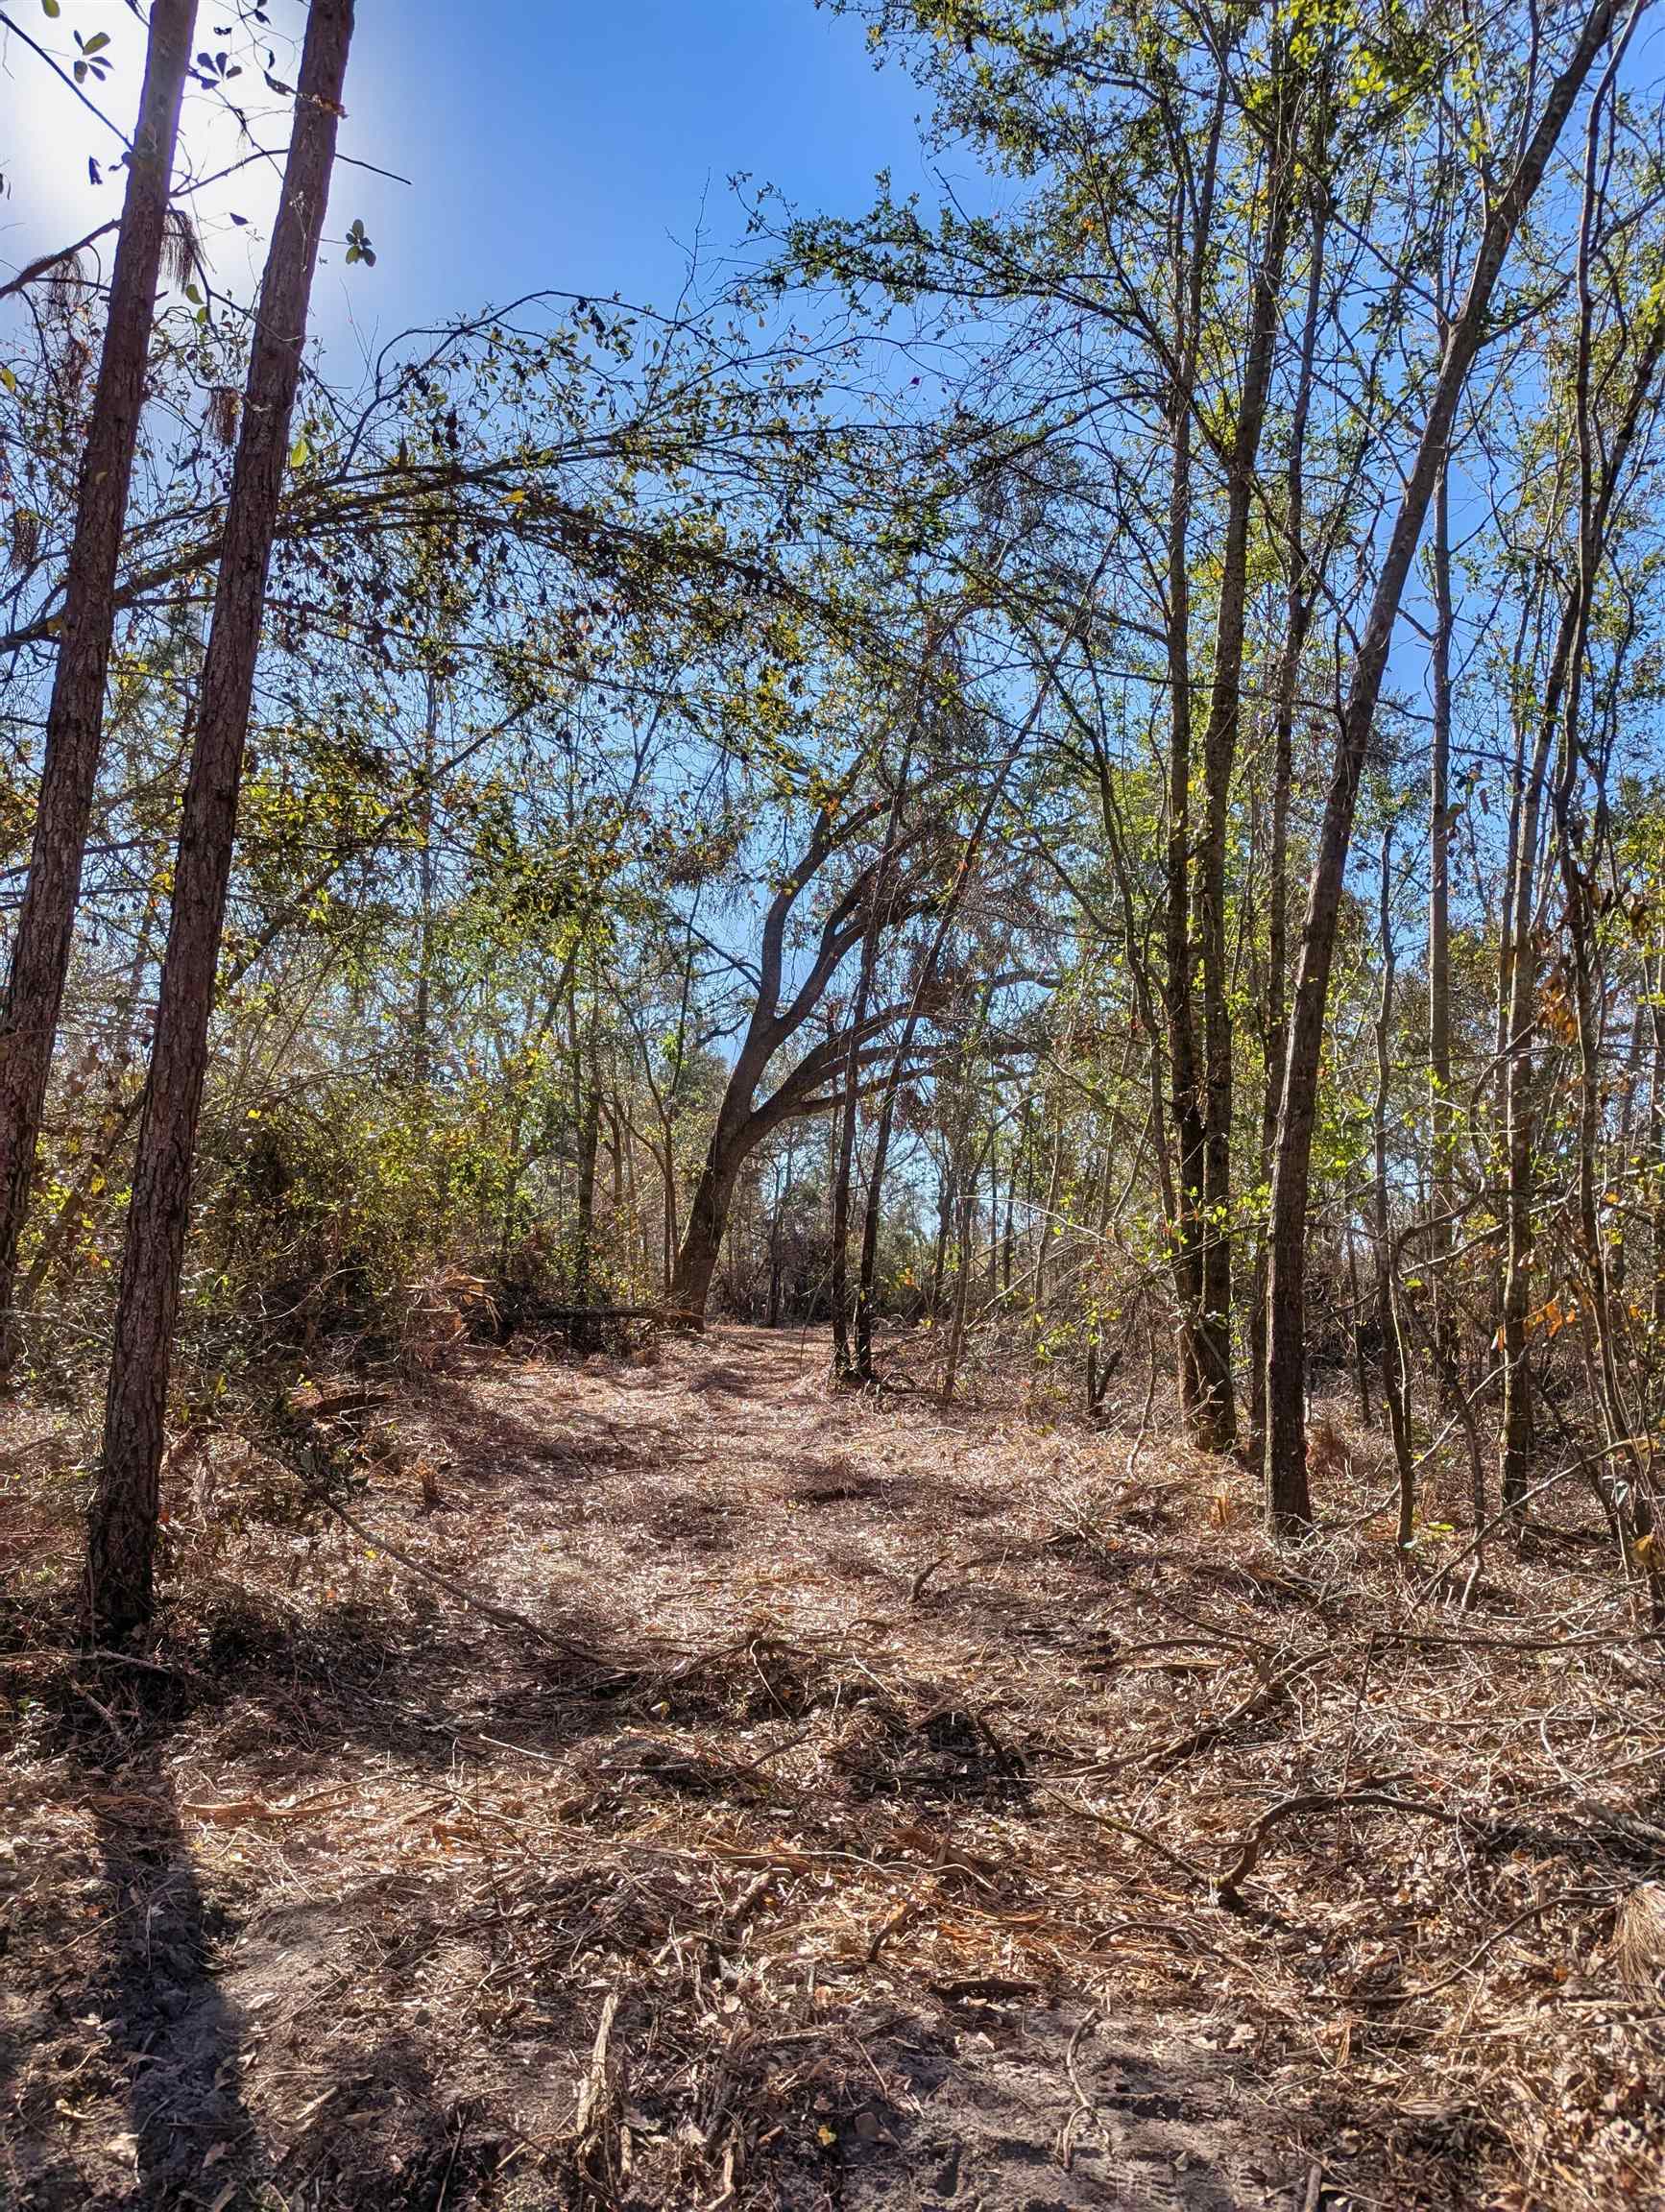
x,y
702,1241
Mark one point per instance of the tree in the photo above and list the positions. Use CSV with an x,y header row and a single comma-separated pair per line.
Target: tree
x,y
85,627
1289,1505
122,1533
781,1008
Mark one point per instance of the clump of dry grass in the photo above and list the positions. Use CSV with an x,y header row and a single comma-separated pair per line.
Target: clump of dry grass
x,y
1638,1946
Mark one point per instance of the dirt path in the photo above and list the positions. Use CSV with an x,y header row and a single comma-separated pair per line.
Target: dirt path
x,y
854,1852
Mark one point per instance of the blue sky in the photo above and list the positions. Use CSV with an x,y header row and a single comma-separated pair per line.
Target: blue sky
x,y
548,142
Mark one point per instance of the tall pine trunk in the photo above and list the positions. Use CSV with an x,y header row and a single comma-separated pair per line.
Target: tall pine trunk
x,y
122,1533
75,715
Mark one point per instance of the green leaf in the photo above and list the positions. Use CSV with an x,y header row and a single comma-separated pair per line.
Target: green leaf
x,y
50,7
92,45
6,378
299,453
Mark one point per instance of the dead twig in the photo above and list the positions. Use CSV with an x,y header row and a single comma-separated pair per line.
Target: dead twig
x,y
595,2145
1228,1889
1084,2109
505,1616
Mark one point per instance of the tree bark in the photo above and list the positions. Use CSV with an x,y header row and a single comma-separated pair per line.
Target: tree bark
x,y
1361,1371
1396,1362
961,1289
589,1148
1442,1106
75,714
122,1535
1217,1425
1297,620
844,1360
776,1018
702,1238
1656,1147
1200,1387
947,1192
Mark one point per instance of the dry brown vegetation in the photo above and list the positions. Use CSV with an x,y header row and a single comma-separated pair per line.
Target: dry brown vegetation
x,y
885,1805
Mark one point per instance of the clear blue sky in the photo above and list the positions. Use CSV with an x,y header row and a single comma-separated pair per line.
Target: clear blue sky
x,y
549,142
555,137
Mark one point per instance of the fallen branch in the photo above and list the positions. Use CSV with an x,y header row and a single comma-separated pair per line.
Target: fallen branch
x,y
1271,1692
505,1616
595,2151
1475,1958
1126,1828
1226,1890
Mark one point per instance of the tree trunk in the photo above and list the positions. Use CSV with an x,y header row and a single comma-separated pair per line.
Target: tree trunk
x,y
1442,1106
1048,1220
1217,1427
1198,1385
961,1288
1289,1503
1656,1148
946,1194
1361,1372
589,1149
777,1229
75,714
1395,1365
702,1241
737,1132
844,1362
1297,619
122,1534
1624,1164
422,1014
842,1358
994,1200
670,1228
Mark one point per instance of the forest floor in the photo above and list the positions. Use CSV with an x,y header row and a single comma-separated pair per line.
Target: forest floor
x,y
862,1813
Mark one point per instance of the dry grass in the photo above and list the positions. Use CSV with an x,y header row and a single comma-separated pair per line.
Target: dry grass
x,y
892,1806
